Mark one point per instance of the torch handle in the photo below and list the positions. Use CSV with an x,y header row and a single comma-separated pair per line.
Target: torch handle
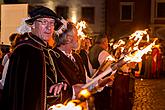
x,y
102,68
107,71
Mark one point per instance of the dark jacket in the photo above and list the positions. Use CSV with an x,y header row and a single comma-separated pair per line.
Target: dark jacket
x,y
25,85
93,56
84,56
72,72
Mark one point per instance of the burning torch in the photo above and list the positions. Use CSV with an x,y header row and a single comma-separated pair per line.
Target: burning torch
x,y
105,69
136,57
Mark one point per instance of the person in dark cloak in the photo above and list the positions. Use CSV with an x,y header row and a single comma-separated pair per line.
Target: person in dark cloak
x,y
31,77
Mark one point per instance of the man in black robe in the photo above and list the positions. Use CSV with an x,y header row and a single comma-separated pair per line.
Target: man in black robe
x,y
31,76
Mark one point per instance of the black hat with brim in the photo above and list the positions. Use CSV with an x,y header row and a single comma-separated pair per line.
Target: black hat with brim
x,y
41,12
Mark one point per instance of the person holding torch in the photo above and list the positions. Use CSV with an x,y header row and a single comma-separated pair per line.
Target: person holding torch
x,y
98,55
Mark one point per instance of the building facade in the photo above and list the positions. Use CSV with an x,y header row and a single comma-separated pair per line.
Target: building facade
x,y
92,11
127,16
117,18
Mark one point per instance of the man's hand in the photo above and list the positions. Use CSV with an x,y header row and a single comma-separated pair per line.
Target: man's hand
x,y
56,88
77,88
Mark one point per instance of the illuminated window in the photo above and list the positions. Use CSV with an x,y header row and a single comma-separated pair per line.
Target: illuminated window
x,y
62,11
88,14
126,11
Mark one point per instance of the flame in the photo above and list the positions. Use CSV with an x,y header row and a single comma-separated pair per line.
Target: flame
x,y
80,26
133,42
110,58
138,35
110,44
85,93
139,53
122,49
148,38
71,105
118,44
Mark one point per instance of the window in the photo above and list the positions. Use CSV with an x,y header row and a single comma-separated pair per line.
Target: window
x,y
88,14
160,10
126,11
62,11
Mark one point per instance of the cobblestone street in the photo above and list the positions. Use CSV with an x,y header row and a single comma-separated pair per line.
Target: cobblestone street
x,y
149,94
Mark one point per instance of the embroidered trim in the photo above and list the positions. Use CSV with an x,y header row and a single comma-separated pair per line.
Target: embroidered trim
x,y
36,41
52,63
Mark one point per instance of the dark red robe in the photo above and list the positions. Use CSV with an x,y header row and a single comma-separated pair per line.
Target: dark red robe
x,y
72,72
156,58
25,85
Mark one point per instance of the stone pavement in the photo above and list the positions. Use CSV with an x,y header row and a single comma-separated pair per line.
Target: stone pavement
x,y
149,94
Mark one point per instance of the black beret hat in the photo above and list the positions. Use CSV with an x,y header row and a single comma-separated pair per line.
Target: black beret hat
x,y
40,12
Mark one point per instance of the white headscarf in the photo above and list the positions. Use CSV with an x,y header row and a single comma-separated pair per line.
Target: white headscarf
x,y
23,28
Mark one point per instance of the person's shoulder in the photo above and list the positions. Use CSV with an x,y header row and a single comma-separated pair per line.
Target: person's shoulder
x,y
104,53
76,55
56,49
25,42
82,51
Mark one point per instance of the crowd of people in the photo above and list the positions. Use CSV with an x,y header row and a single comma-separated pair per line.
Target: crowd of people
x,y
38,74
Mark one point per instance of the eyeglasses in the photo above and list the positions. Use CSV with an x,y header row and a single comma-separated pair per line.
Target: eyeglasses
x,y
45,22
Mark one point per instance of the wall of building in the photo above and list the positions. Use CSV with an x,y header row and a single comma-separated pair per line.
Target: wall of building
x,y
141,17
75,7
